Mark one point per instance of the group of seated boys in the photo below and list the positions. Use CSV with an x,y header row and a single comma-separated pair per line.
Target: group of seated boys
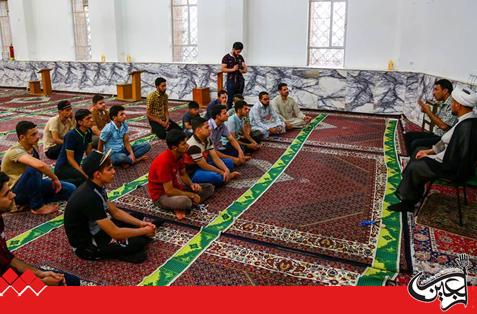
x,y
204,153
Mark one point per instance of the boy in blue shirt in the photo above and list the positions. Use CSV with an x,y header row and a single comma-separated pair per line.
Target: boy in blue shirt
x,y
114,137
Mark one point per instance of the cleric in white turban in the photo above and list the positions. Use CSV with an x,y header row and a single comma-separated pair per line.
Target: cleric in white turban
x,y
453,157
465,97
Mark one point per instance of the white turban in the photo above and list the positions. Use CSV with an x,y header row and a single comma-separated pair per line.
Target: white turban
x,y
465,97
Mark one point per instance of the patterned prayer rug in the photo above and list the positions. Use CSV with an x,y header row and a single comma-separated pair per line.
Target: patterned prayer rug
x,y
127,175
433,250
226,262
7,94
54,250
304,242
7,126
234,262
440,211
320,211
303,210
139,200
41,102
19,222
345,131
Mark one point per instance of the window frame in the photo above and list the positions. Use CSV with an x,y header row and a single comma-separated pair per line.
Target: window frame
x,y
177,45
330,46
87,31
5,54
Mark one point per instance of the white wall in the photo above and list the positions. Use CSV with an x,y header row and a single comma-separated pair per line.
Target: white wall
x,y
42,30
432,36
18,25
372,34
277,32
146,30
220,24
104,29
439,37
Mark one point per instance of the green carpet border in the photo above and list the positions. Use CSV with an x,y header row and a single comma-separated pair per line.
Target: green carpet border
x,y
178,263
386,259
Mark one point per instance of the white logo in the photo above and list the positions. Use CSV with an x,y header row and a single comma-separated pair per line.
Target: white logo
x,y
449,285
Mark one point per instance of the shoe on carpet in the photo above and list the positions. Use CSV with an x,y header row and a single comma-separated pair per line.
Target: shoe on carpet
x,y
403,207
135,258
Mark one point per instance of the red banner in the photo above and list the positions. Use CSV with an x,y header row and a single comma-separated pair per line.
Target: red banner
x,y
384,300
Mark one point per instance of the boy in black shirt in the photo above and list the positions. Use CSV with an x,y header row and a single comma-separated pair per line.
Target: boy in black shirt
x,y
90,230
77,142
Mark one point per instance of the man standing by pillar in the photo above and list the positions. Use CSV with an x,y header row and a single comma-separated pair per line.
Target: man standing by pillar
x,y
234,65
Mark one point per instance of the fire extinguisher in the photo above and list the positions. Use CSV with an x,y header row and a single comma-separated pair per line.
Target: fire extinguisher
x,y
12,52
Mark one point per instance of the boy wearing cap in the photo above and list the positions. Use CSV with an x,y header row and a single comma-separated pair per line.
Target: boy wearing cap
x,y
164,188
22,164
8,260
77,143
114,137
452,157
95,227
56,129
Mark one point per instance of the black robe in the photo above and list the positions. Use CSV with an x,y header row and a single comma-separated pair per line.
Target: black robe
x,y
458,163
461,153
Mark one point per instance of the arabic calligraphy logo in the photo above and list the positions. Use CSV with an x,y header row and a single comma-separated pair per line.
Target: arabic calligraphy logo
x,y
449,285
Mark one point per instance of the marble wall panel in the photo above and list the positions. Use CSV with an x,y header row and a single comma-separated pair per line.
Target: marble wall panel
x,y
379,92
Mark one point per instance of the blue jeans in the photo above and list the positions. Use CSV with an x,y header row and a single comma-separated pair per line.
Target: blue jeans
x,y
206,176
122,157
31,189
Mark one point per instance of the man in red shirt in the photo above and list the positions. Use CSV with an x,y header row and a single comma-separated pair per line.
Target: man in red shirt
x,y
164,188
8,260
